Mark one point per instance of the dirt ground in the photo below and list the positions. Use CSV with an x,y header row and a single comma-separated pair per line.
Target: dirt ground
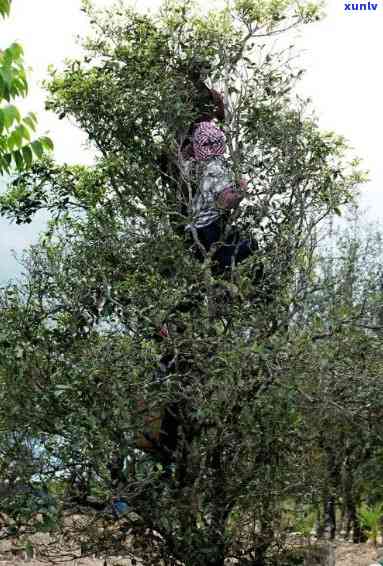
x,y
347,554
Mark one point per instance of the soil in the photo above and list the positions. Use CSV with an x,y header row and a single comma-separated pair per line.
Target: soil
x,y
347,554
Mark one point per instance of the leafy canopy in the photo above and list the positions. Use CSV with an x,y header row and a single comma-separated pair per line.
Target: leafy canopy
x,y
17,148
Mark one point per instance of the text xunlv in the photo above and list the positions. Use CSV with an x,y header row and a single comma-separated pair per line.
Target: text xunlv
x,y
360,6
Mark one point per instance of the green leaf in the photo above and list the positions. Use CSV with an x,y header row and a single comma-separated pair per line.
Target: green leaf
x,y
29,122
6,76
10,115
33,117
16,50
38,148
15,139
27,155
5,91
8,158
24,132
19,87
47,143
5,7
4,167
19,161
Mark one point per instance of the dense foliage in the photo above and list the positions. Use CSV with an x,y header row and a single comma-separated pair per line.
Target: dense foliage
x,y
276,384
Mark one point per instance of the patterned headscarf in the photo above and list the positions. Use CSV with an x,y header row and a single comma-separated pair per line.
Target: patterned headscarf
x,y
208,141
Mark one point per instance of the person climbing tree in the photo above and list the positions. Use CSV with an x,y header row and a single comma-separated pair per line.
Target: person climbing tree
x,y
217,195
207,104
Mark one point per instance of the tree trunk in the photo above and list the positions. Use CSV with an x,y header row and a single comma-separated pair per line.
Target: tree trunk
x,y
220,510
320,555
341,524
329,517
352,520
329,500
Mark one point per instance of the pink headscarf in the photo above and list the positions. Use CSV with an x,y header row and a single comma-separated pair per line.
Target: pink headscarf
x,y
208,141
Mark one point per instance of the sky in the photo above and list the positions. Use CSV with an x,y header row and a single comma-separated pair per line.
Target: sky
x,y
341,55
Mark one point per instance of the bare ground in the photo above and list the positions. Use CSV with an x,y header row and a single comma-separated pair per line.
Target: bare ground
x,y
347,554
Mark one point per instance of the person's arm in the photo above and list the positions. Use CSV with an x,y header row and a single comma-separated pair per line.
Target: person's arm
x,y
216,179
223,191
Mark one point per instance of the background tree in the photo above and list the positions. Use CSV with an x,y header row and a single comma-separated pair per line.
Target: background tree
x,y
340,303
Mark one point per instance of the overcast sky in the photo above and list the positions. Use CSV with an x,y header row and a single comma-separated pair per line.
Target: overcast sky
x,y
342,55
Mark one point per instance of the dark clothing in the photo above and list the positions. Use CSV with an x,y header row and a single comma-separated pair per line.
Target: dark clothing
x,y
209,104
231,247
169,429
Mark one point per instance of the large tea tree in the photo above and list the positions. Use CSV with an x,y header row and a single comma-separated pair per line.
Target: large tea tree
x,y
80,335
17,149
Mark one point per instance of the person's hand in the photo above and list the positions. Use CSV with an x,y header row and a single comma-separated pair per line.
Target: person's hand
x,y
229,198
